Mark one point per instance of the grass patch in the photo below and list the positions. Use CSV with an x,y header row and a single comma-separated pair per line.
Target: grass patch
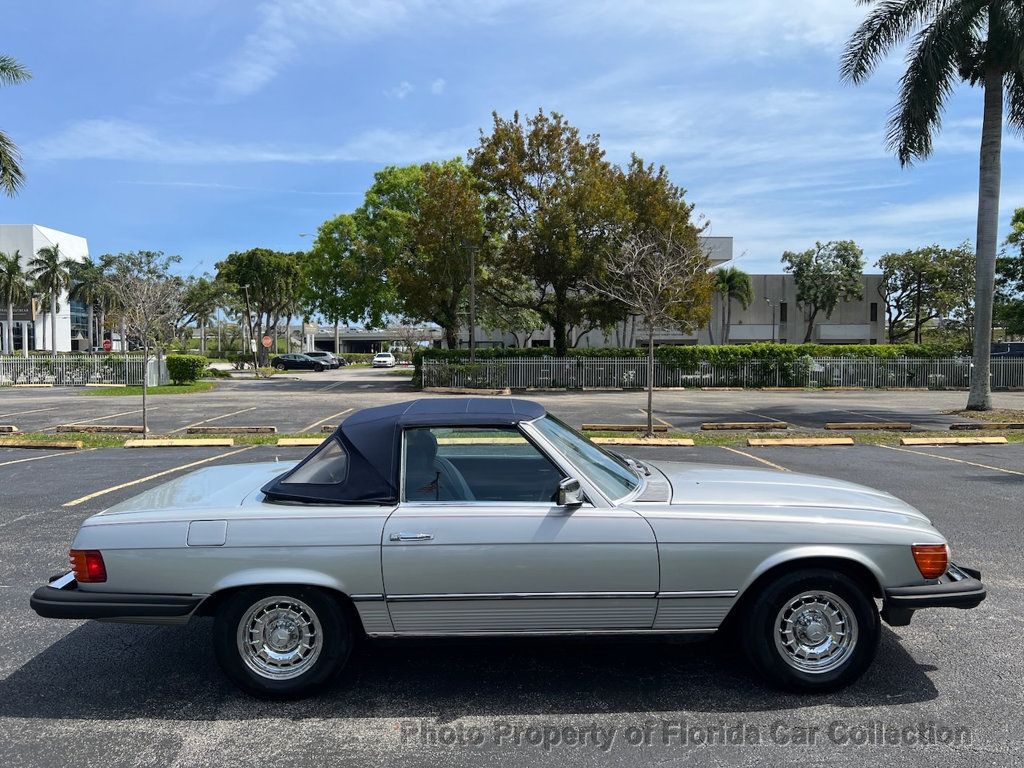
x,y
999,414
169,389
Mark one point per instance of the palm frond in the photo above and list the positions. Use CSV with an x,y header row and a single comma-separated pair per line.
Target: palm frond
x,y
1015,102
891,22
933,70
11,175
12,72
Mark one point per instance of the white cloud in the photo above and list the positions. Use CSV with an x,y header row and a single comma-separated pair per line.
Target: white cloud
x,y
437,87
119,140
400,91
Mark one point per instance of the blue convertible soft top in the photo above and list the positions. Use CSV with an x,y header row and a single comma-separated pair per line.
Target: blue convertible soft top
x,y
371,441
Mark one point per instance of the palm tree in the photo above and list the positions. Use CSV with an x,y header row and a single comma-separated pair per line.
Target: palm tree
x,y
88,285
11,175
14,287
52,275
951,41
732,283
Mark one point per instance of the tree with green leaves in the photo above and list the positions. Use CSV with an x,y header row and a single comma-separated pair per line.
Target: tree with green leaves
x,y
444,235
557,206
88,285
275,282
51,273
1009,298
732,284
11,175
15,288
980,42
201,297
921,285
825,275
345,282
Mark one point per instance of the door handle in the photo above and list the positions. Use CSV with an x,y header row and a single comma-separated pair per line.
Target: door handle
x,y
403,536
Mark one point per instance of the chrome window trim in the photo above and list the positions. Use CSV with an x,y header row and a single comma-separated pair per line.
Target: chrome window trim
x,y
699,593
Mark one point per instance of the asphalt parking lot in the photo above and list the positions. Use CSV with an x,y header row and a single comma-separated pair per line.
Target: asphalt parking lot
x,y
305,402
108,694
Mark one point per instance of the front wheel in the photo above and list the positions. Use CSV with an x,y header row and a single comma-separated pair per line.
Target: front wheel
x,y
812,630
281,642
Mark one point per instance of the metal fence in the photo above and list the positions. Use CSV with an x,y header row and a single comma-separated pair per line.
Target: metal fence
x,y
631,373
79,370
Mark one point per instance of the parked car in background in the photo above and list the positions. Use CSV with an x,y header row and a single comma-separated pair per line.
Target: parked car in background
x,y
297,362
384,360
1008,349
489,517
328,358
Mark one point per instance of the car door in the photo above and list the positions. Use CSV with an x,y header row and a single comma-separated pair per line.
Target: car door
x,y
478,545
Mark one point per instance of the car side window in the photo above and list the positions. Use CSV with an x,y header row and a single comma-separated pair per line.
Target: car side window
x,y
328,467
476,464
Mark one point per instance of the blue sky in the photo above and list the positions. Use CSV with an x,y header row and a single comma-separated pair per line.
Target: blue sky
x,y
199,127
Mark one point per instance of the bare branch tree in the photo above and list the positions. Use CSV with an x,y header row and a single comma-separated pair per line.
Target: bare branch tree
x,y
663,282
150,301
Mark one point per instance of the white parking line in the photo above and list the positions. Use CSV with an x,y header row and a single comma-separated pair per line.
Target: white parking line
x,y
154,476
318,423
332,386
22,413
215,418
958,461
47,456
755,458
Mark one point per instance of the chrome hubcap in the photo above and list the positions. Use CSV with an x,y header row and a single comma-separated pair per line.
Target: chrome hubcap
x,y
279,638
815,632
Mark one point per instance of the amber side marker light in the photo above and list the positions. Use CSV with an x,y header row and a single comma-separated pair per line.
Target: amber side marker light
x,y
88,566
932,559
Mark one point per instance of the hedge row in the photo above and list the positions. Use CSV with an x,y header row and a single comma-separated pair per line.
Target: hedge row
x,y
184,369
697,354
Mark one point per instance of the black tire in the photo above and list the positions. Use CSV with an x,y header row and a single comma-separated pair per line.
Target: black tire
x,y
334,648
281,367
318,368
764,620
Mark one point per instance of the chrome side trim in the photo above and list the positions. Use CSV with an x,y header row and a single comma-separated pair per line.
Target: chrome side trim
x,y
551,633
521,596
700,593
366,598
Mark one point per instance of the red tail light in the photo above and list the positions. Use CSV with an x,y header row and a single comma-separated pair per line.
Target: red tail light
x,y
88,566
931,559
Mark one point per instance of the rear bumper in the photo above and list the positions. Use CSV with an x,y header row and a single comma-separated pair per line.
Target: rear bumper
x,y
61,599
958,587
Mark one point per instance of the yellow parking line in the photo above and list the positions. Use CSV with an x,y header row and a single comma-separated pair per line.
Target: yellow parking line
x,y
958,461
215,418
154,476
318,423
657,418
47,456
755,458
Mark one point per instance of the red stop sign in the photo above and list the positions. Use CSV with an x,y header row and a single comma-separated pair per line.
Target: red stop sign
x,y
107,345
267,341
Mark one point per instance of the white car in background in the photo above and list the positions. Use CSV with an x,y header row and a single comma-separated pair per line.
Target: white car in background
x,y
384,360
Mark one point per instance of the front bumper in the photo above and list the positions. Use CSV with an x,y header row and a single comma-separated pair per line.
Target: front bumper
x,y
61,599
958,587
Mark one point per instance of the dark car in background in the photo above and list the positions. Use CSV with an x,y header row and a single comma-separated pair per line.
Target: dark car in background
x,y
297,362
1008,349
328,358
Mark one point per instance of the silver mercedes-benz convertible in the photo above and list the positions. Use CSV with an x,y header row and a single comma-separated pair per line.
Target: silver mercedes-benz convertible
x,y
481,516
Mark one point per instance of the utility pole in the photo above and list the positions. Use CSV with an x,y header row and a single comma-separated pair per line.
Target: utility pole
x,y
472,304
252,337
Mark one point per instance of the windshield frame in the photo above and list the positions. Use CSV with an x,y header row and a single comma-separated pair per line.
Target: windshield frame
x,y
586,471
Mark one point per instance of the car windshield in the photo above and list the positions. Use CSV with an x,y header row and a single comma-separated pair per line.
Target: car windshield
x,y
609,473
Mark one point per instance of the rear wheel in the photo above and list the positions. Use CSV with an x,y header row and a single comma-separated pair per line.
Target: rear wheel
x,y
280,366
318,368
281,642
812,630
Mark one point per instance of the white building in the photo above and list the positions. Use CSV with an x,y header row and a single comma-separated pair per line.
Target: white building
x,y
27,239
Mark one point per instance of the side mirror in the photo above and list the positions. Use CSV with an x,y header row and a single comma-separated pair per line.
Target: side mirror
x,y
569,493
